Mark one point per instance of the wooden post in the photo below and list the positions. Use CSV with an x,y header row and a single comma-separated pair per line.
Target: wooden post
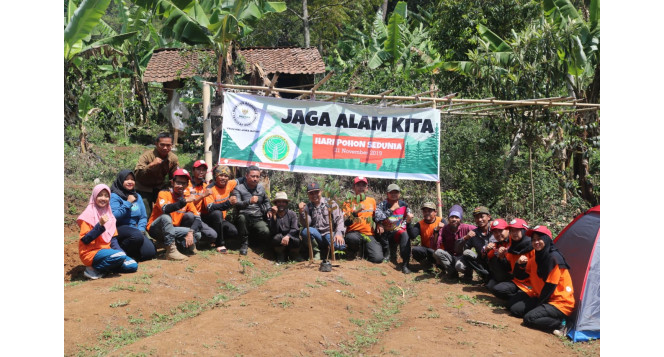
x,y
207,131
329,214
440,200
306,222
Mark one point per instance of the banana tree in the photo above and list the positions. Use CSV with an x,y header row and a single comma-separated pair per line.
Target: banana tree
x,y
401,45
81,22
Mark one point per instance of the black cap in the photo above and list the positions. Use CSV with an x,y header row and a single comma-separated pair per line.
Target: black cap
x,y
313,186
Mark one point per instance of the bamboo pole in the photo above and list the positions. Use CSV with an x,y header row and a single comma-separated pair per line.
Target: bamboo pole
x,y
312,92
381,94
306,222
329,214
207,131
272,83
440,199
413,98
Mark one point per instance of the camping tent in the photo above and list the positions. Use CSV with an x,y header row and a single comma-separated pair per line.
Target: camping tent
x,y
579,244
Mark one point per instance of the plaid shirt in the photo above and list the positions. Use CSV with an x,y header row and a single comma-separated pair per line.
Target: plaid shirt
x,y
318,218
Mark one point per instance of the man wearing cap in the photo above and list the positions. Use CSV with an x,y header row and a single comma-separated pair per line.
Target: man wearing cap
x,y
151,168
428,229
358,221
475,247
450,244
284,229
166,221
317,216
217,205
198,190
254,207
394,215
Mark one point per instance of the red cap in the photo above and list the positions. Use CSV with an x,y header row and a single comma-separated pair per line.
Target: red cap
x,y
498,223
360,179
518,223
181,172
539,229
200,163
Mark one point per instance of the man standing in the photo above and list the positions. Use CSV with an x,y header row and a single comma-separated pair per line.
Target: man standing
x,y
475,247
359,219
217,204
166,221
428,229
253,206
284,229
450,243
319,222
152,167
199,191
394,215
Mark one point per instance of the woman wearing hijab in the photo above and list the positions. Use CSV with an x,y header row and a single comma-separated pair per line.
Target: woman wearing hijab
x,y
519,251
97,225
552,283
129,211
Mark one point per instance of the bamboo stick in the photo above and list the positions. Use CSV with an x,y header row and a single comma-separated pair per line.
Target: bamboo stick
x,y
313,90
207,131
329,214
306,220
403,98
381,94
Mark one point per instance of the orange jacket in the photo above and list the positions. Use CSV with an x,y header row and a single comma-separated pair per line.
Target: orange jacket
x,y
362,226
220,195
87,251
197,191
562,297
165,197
524,284
426,232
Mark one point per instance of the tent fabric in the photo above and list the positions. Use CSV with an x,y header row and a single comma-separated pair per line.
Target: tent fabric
x,y
579,243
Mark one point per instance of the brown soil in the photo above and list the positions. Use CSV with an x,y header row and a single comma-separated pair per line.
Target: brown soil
x,y
207,306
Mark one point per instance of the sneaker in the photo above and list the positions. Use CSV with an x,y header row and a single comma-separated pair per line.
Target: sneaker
x,y
405,270
244,249
559,333
92,273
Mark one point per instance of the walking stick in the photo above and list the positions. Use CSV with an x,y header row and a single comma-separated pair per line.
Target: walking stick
x,y
329,214
306,221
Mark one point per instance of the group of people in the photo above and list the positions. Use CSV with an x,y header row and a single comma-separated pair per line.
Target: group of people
x,y
516,263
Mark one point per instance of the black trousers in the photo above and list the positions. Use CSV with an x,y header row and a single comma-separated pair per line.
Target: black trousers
x,y
222,227
371,249
207,232
135,244
502,290
545,317
423,254
392,239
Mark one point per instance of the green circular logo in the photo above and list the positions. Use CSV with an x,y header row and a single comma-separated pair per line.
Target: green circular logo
x,y
275,148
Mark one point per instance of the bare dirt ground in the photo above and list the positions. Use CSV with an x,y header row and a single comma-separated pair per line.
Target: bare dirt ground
x,y
209,306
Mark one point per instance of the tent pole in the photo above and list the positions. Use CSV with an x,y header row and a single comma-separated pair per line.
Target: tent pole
x,y
207,131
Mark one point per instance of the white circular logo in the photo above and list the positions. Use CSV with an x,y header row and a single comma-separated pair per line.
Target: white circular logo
x,y
495,223
513,221
568,288
244,114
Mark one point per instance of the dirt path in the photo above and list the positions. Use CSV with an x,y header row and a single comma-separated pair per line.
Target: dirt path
x,y
206,306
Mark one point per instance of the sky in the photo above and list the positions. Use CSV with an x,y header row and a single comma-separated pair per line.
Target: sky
x,y
631,124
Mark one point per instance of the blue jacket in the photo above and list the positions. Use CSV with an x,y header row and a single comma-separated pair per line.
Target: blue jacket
x,y
128,214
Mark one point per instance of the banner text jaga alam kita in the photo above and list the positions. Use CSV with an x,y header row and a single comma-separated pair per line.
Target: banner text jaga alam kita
x,y
311,118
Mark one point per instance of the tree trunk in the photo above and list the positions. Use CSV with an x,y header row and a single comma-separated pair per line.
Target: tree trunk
x,y
305,23
384,8
226,71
